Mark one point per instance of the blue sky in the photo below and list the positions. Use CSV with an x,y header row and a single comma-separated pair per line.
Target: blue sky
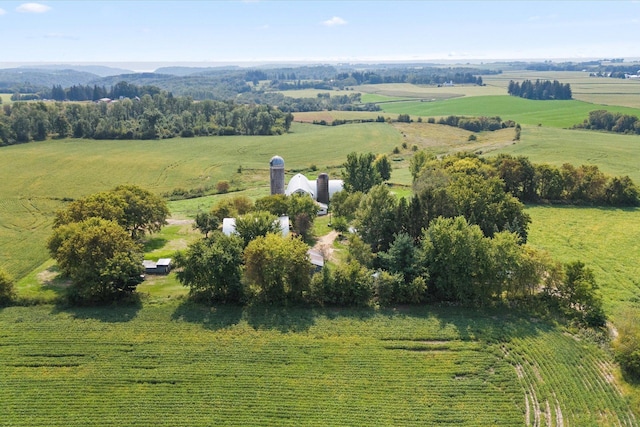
x,y
326,31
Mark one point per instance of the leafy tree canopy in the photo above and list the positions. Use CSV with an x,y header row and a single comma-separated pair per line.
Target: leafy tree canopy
x,y
100,258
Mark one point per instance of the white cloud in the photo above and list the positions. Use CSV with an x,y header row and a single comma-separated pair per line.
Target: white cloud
x,y
336,20
33,8
60,36
2,12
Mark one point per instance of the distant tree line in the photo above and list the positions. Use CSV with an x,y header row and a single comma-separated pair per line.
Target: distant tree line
x,y
611,122
540,90
475,124
322,101
149,117
95,92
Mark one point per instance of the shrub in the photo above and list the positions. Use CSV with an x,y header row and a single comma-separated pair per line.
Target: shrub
x,y
222,187
392,289
352,285
340,224
7,292
472,137
627,346
396,150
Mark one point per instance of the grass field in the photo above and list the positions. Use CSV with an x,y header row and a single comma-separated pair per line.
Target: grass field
x,y
612,153
42,174
562,114
606,239
176,364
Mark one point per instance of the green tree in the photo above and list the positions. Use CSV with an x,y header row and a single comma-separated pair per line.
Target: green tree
x,y
345,204
359,251
143,211
401,258
7,291
256,224
359,172
206,222
393,289
376,218
276,204
627,345
278,268
101,259
457,258
578,291
302,212
417,162
232,207
106,205
212,269
137,210
61,126
383,166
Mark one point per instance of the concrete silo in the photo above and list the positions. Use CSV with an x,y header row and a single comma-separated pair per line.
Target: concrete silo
x,y
323,188
276,169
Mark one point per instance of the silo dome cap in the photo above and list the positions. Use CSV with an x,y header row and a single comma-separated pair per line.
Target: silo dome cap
x,y
276,161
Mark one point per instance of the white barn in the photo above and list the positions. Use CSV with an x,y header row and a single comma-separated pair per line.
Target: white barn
x,y
300,184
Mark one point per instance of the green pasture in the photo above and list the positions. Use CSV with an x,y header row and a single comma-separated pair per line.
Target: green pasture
x,y
179,364
563,114
606,239
614,154
6,98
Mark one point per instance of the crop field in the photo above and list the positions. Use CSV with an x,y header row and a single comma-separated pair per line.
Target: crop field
x,y
176,364
426,92
596,90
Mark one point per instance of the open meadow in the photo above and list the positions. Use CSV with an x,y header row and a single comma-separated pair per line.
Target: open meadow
x,y
167,361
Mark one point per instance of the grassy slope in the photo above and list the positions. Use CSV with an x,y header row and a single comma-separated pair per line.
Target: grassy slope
x,y
169,363
614,154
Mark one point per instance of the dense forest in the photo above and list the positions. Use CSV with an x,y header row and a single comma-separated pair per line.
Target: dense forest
x,y
540,89
149,117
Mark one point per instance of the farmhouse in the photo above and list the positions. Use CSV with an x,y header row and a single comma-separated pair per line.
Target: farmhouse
x,y
162,266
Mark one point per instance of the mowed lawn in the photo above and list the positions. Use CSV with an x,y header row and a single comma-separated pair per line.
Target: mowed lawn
x,y
177,364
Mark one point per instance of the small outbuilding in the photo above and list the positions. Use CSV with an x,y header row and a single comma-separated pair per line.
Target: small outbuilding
x,y
162,266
